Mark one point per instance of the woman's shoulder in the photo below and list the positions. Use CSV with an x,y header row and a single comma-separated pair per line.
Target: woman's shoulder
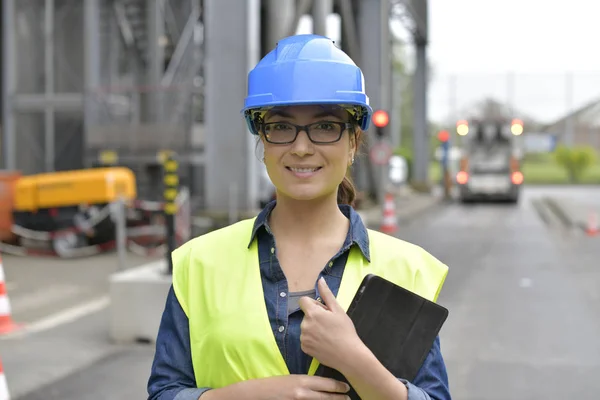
x,y
239,231
392,244
401,251
399,256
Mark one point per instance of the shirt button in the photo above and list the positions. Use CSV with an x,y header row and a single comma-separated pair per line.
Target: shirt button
x,y
282,294
272,250
331,263
281,328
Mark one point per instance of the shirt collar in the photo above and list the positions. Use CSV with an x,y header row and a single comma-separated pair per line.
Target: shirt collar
x,y
357,234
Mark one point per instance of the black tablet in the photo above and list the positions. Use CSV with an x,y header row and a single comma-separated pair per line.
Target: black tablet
x,y
397,325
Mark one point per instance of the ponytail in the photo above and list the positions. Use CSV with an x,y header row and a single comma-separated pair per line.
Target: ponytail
x,y
346,192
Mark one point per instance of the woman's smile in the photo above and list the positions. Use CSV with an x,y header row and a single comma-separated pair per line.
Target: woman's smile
x,y
304,172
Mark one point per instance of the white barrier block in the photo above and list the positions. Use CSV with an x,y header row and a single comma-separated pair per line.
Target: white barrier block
x,y
137,302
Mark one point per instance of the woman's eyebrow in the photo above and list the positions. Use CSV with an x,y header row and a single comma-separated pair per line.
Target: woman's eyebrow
x,y
325,114
278,113
284,114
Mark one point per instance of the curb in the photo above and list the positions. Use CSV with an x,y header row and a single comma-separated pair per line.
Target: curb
x,y
559,211
406,213
569,212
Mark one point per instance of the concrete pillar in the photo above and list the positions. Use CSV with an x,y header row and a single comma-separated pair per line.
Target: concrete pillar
x,y
320,11
232,37
375,62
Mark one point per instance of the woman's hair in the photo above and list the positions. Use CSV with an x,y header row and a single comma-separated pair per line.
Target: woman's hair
x,y
347,191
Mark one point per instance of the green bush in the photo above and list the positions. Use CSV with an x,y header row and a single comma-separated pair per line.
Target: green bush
x,y
575,160
539,158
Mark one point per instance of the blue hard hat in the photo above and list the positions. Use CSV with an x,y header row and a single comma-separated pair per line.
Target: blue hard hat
x,y
304,70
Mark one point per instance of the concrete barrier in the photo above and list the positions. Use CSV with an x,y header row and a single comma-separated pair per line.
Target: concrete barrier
x,y
137,301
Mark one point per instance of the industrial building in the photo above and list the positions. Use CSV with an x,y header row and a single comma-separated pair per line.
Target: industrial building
x,y
119,82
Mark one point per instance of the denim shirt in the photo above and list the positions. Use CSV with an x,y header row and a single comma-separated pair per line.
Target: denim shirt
x,y
172,374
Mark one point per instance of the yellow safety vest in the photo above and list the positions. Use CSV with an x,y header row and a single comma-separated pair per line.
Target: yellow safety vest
x,y
217,281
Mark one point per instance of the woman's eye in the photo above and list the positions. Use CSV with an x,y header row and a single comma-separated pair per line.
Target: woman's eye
x,y
281,127
325,126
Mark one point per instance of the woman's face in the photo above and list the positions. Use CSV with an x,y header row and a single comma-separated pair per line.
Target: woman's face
x,y
303,169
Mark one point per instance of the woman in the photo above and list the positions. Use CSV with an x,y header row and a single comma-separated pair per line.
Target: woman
x,y
253,306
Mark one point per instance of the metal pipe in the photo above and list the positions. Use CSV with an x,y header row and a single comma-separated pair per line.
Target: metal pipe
x,y
121,233
49,85
421,134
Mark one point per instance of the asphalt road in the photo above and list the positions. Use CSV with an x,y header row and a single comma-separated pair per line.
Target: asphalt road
x,y
524,302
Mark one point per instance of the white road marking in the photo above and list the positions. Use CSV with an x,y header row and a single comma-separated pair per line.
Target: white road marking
x,y
25,301
525,282
61,317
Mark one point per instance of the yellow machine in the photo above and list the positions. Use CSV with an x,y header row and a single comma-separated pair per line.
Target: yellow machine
x,y
56,201
73,188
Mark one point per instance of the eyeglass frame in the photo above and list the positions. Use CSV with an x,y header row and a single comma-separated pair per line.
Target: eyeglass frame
x,y
344,125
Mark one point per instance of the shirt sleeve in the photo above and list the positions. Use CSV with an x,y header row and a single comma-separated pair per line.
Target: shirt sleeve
x,y
431,382
172,374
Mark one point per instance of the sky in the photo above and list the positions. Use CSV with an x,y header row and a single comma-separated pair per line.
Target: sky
x,y
540,56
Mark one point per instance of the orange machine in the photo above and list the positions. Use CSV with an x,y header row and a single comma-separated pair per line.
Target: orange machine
x,y
8,180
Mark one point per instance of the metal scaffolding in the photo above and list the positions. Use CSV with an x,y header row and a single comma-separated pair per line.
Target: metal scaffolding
x,y
65,83
125,79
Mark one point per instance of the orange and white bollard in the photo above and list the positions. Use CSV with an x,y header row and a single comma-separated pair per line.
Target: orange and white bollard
x,y
592,225
7,325
389,224
4,394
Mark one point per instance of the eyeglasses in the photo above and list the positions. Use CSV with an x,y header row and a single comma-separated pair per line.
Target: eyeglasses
x,y
319,132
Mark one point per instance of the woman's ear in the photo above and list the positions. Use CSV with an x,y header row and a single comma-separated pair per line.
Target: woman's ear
x,y
356,140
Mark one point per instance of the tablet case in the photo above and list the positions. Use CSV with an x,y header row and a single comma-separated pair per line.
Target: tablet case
x,y
397,325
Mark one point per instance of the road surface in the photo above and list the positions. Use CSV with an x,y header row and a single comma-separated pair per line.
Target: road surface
x,y
524,301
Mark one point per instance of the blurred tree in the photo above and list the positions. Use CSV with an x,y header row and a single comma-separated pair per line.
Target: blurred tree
x,y
575,160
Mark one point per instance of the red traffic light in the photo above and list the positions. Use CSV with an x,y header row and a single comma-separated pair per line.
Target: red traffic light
x,y
444,136
380,118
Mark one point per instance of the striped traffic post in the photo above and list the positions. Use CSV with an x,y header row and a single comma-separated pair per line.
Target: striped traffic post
x,y
171,185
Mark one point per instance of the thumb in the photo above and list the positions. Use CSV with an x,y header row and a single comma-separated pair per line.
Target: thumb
x,y
327,295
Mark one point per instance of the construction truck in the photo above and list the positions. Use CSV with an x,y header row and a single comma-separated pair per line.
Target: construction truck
x,y
490,167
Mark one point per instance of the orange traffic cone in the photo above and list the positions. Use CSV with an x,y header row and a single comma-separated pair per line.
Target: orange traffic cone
x,y
592,226
7,325
4,395
389,224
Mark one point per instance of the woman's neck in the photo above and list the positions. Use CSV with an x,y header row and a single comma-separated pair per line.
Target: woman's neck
x,y
307,219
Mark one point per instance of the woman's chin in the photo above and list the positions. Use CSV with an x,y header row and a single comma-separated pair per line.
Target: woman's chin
x,y
305,194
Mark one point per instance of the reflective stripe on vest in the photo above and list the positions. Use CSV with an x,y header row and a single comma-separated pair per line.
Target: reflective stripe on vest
x,y
217,281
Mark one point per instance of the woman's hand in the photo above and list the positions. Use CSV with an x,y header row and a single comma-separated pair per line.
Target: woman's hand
x,y
305,387
327,332
287,387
